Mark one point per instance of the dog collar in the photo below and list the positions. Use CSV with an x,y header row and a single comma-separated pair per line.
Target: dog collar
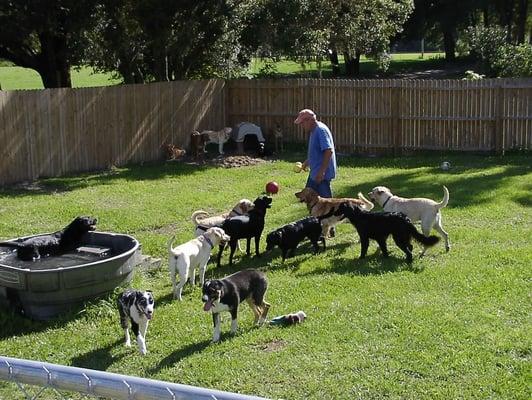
x,y
236,212
208,241
387,200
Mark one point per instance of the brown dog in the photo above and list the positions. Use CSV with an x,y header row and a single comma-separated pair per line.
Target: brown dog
x,y
172,152
197,146
324,208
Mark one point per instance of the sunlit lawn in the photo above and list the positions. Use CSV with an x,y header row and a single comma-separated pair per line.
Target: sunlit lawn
x,y
452,325
12,78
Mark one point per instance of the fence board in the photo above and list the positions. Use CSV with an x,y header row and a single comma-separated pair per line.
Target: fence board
x,y
53,132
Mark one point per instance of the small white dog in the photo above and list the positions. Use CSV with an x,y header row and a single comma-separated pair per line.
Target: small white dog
x,y
219,137
185,258
417,209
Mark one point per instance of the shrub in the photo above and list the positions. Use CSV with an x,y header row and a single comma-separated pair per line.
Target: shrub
x,y
499,58
513,61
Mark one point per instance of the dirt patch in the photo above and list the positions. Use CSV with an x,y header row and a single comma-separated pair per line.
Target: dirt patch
x,y
274,345
234,161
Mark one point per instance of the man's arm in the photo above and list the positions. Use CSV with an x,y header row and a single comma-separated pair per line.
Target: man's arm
x,y
327,154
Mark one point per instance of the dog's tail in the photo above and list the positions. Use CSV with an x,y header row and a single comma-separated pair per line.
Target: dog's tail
x,y
170,243
198,215
425,240
368,205
445,200
12,245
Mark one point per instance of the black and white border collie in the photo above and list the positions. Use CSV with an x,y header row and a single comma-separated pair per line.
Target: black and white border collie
x,y
137,307
226,295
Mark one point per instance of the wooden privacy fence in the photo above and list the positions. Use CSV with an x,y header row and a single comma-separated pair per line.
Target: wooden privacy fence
x,y
367,116
54,132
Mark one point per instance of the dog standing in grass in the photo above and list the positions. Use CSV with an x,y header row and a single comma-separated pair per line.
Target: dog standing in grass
x,y
417,209
379,225
185,258
136,307
226,294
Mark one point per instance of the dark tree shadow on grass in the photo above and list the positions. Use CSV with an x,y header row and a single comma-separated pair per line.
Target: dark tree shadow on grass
x,y
464,190
101,359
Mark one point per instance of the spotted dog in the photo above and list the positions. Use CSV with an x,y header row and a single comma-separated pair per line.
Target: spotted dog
x,y
226,295
136,307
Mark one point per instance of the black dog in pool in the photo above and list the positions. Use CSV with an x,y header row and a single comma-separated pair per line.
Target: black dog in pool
x,y
55,243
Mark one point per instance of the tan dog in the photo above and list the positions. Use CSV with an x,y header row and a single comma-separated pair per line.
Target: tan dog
x,y
203,221
417,209
183,260
218,137
324,208
172,152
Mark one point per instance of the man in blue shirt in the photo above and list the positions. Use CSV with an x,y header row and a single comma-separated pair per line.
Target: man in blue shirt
x,y
321,157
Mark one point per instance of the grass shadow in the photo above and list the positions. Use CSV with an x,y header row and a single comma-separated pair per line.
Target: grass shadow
x,y
99,359
184,352
467,183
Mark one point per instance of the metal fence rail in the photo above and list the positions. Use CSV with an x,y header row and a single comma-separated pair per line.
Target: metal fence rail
x,y
101,384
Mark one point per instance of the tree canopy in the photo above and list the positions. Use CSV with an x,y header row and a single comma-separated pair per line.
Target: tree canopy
x,y
155,40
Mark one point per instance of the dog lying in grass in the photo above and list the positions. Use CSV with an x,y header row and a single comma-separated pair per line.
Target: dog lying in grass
x,y
378,226
53,244
226,295
289,236
246,227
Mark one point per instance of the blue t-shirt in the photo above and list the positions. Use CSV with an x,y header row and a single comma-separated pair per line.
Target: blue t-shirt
x,y
320,140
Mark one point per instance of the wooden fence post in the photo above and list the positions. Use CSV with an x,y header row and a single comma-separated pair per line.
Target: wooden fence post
x,y
498,139
396,118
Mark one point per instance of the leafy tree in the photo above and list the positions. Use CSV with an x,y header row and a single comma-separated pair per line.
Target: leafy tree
x,y
165,40
45,35
306,29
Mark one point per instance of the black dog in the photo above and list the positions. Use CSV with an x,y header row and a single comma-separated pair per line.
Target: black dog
x,y
289,236
246,227
380,225
226,294
136,307
56,243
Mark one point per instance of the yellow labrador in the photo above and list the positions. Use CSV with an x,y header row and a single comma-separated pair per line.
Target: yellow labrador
x,y
417,209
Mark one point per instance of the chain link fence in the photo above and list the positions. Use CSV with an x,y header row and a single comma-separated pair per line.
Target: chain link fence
x,y
43,381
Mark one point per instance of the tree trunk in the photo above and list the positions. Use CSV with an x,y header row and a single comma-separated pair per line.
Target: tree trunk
x,y
352,64
449,43
333,57
521,20
52,62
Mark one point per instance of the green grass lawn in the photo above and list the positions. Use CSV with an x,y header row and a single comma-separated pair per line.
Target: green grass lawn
x,y
400,62
451,325
12,78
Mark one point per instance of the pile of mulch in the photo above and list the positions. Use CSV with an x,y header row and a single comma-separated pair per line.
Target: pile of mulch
x,y
235,161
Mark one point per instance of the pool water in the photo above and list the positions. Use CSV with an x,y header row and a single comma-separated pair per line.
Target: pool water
x,y
9,257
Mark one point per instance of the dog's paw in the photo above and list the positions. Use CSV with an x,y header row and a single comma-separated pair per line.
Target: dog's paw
x,y
128,344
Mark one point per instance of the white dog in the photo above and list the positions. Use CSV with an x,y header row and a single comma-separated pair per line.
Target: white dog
x,y
218,137
417,209
202,221
185,258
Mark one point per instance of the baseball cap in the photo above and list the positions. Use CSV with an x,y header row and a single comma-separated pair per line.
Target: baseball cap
x,y
304,115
